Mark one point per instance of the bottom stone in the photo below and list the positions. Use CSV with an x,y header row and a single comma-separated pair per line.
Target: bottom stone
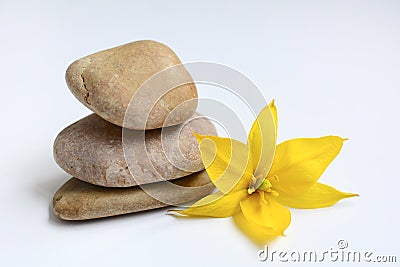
x,y
78,200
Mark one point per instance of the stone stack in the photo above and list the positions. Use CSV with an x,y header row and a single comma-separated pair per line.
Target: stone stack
x,y
122,163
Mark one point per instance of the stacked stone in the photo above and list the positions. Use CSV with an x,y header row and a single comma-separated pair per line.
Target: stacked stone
x,y
107,182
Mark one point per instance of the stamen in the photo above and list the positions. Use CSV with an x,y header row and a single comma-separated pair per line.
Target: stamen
x,y
251,190
262,197
275,177
259,183
252,187
274,193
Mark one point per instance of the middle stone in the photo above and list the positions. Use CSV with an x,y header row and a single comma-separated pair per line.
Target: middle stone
x,y
93,150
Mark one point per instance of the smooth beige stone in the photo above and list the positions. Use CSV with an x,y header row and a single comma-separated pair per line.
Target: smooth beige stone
x,y
106,81
91,150
77,200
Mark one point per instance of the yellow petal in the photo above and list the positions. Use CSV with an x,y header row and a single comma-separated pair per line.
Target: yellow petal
x,y
274,112
227,162
259,235
217,205
262,140
266,212
318,196
298,163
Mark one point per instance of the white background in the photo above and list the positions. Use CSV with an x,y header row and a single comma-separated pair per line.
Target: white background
x,y
333,67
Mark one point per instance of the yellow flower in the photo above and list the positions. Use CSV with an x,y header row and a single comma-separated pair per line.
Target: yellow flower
x,y
255,181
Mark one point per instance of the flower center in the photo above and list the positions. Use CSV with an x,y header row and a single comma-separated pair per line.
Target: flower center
x,y
263,184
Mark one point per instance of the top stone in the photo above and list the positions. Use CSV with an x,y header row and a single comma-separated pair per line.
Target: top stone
x,y
115,84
